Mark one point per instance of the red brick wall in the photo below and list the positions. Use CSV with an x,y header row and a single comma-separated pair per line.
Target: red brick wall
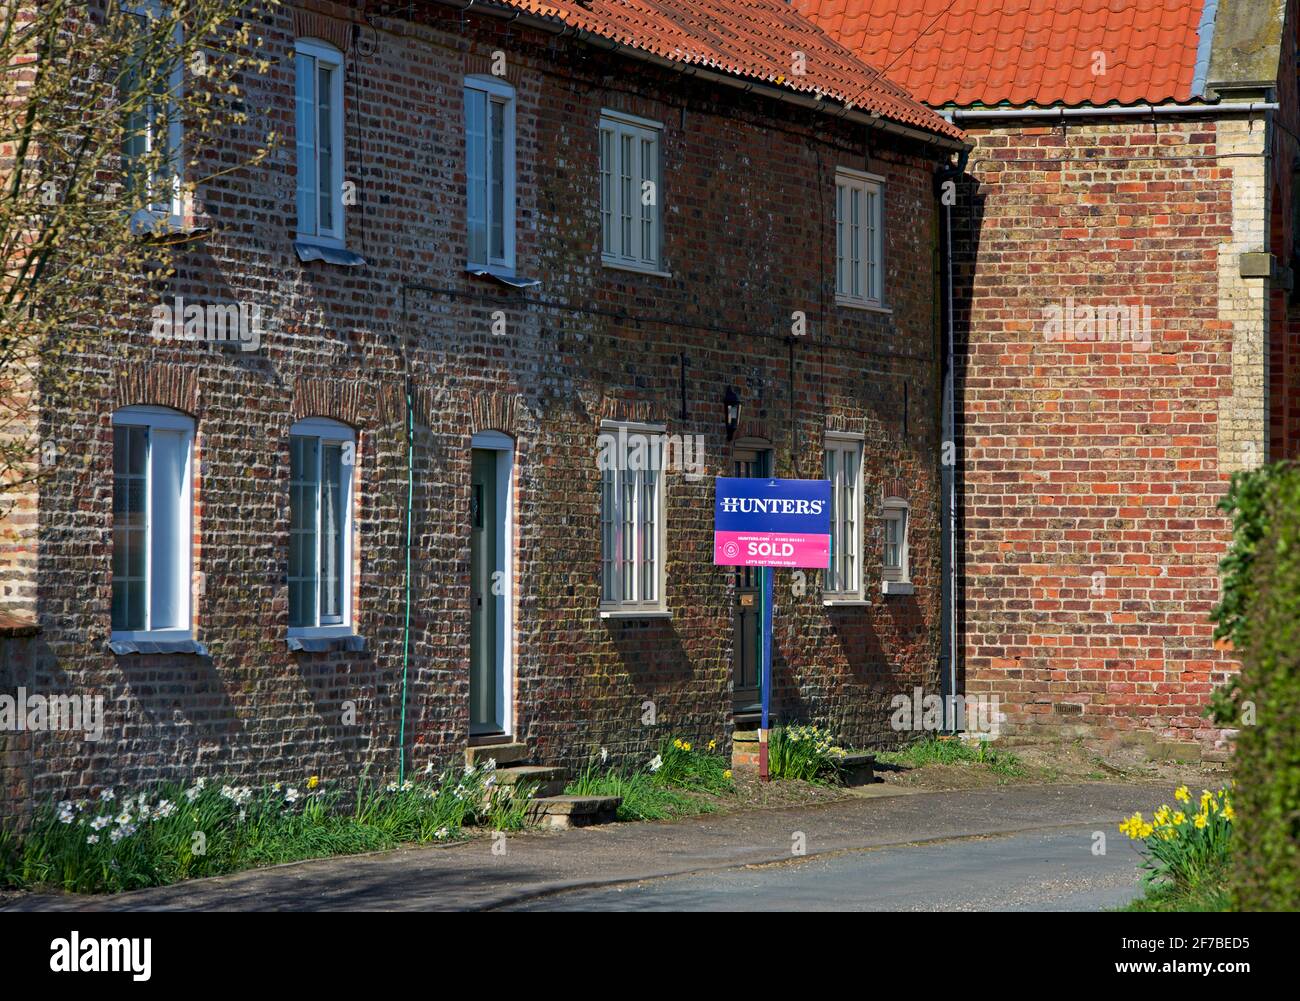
x,y
1091,470
748,190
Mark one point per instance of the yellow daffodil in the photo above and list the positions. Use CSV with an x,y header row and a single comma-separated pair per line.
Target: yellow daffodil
x,y
313,782
1180,818
1229,813
1201,821
686,745
727,774
1183,794
712,744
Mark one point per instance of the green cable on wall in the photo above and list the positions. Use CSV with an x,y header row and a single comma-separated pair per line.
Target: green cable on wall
x,y
406,632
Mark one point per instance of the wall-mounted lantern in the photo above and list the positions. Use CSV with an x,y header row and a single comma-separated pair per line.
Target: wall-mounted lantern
x,y
732,403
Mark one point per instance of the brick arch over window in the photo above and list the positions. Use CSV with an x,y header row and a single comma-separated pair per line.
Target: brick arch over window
x,y
346,402
481,65
158,384
495,412
896,487
845,424
313,24
632,411
758,430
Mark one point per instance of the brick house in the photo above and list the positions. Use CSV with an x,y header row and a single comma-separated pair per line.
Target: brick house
x,y
575,231
1124,337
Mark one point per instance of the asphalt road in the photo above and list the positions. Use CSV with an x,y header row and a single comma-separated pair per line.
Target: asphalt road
x,y
1041,871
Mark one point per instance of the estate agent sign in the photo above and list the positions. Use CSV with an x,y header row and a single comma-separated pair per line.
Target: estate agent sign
x,y
772,523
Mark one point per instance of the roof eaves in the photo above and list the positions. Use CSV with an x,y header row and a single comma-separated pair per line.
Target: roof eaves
x,y
828,103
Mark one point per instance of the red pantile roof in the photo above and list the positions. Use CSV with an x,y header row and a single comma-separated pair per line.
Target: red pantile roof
x,y
754,39
1018,52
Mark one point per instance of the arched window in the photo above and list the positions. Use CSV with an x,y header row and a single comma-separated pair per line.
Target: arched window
x,y
895,572
152,523
322,457
843,467
318,124
490,173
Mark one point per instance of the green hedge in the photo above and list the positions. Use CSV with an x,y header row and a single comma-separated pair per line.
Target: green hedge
x,y
1260,613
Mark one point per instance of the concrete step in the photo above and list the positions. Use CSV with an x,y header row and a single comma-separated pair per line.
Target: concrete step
x,y
574,811
549,781
857,768
502,754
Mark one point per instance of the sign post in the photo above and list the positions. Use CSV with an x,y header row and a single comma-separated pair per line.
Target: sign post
x,y
770,523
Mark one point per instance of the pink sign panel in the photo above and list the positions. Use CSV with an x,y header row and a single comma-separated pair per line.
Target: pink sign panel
x,y
761,522
770,549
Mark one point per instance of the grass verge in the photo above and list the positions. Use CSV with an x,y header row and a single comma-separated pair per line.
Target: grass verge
x,y
933,751
173,832
679,781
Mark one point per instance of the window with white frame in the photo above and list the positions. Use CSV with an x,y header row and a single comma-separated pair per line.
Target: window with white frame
x,y
630,217
152,517
319,129
631,517
895,548
322,456
859,238
149,96
843,467
490,172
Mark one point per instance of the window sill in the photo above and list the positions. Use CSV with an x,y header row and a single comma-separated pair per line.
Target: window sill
x,y
635,613
325,641
633,269
125,644
310,250
897,587
503,276
869,307
147,223
846,602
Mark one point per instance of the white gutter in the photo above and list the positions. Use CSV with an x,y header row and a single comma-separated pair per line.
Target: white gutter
x,y
1229,108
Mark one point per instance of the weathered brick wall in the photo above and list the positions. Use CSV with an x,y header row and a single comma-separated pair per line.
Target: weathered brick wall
x,y
1093,469
748,193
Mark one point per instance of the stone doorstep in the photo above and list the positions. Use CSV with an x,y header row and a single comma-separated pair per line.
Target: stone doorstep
x,y
502,754
574,811
549,781
857,768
